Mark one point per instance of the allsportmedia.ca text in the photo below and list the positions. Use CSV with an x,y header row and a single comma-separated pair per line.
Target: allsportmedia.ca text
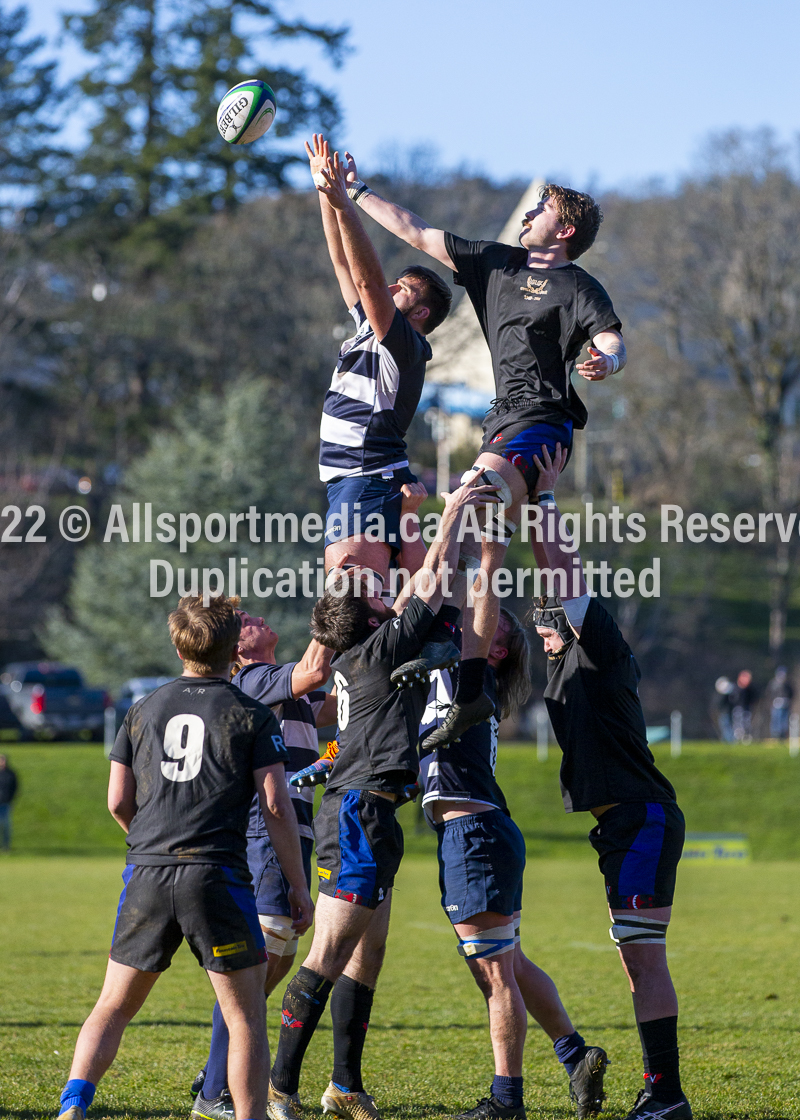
x,y
588,525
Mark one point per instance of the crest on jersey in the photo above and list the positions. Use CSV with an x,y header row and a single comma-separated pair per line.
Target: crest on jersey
x,y
535,289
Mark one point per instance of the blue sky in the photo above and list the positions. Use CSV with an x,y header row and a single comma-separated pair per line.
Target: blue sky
x,y
609,94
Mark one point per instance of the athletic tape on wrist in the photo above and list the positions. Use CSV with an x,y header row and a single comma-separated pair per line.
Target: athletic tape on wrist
x,y
356,188
614,358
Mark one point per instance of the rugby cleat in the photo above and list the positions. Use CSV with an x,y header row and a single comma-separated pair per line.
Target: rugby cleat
x,y
586,1082
651,1108
459,719
349,1106
73,1113
197,1084
317,773
282,1106
220,1108
490,1108
433,655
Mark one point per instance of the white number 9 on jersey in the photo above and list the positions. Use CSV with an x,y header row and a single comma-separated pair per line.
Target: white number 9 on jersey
x,y
183,741
342,701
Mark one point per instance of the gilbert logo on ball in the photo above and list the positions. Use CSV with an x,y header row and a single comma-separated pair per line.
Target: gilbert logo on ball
x,y
246,112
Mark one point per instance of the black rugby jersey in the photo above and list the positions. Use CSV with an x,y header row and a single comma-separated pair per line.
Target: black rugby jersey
x,y
535,321
372,399
378,723
592,697
193,745
272,685
464,771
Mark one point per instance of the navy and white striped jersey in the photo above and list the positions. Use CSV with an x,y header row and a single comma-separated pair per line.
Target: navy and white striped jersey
x,y
463,771
372,399
272,685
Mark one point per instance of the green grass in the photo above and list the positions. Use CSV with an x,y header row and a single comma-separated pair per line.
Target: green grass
x,y
754,790
733,948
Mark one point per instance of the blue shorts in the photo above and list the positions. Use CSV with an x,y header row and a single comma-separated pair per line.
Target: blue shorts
x,y
269,883
639,845
367,507
518,444
481,861
359,846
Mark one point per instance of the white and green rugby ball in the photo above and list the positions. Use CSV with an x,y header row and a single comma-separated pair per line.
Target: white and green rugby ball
x,y
246,112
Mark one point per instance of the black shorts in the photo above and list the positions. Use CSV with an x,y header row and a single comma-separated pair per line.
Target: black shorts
x,y
213,907
359,846
481,861
269,883
518,443
639,846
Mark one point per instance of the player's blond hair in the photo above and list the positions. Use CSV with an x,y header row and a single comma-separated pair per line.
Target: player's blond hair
x,y
205,637
513,674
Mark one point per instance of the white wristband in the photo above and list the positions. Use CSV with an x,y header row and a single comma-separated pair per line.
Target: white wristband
x,y
614,359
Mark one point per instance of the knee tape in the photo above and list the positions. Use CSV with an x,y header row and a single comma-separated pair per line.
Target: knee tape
x,y
488,943
491,478
517,938
636,930
279,937
372,581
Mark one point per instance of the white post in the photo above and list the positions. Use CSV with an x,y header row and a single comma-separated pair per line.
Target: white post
x,y
675,734
794,734
109,729
542,732
442,454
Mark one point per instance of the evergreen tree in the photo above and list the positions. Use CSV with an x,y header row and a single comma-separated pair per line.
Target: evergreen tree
x,y
155,160
224,455
29,107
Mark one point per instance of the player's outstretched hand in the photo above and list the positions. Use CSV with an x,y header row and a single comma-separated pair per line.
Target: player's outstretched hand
x,y
335,188
414,494
350,169
302,909
318,153
598,367
550,467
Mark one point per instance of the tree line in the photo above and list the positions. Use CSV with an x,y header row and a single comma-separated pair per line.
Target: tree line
x,y
169,322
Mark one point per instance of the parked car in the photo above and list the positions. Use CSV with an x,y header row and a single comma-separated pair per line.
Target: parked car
x,y
135,689
51,701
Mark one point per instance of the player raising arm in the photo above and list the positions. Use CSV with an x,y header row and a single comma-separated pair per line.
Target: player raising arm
x,y
358,839
537,309
608,770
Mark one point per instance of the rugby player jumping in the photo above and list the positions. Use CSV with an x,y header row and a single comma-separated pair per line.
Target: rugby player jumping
x,y
536,308
608,770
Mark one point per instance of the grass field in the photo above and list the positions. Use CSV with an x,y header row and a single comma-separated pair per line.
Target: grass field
x,y
734,950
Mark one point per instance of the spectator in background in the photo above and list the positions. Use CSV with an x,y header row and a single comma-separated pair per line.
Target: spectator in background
x,y
722,706
8,791
744,699
779,696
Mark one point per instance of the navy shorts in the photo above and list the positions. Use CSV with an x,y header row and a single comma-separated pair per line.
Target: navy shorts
x,y
367,507
639,846
481,861
269,883
359,846
519,443
213,907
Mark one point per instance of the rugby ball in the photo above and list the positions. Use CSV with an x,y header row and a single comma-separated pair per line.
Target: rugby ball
x,y
246,112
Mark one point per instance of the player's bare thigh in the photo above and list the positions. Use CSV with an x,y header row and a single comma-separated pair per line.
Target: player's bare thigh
x,y
366,554
338,928
510,474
